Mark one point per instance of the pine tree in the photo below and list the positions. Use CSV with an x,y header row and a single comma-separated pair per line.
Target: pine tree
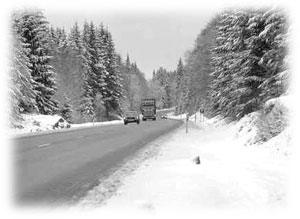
x,y
129,80
184,98
97,51
22,95
221,75
179,79
182,88
248,61
112,79
75,39
115,83
163,87
153,74
96,73
274,59
198,64
32,26
168,99
78,68
87,102
134,85
87,98
233,87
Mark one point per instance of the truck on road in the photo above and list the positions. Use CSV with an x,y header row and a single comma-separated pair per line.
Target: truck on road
x,y
148,109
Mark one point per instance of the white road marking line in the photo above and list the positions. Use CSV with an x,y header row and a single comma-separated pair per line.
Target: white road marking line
x,y
43,145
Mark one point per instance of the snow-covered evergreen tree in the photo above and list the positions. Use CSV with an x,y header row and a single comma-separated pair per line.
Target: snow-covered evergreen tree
x,y
114,84
232,88
198,64
32,26
182,87
248,61
78,69
87,98
184,98
97,50
222,61
274,59
126,76
179,80
95,76
22,95
134,85
112,80
87,106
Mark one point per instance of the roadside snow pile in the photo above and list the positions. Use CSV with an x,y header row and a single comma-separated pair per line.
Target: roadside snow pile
x,y
36,123
215,121
280,143
275,117
201,121
167,109
261,126
247,129
172,116
89,124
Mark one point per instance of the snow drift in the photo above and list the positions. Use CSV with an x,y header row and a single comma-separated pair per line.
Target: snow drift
x,y
37,123
261,126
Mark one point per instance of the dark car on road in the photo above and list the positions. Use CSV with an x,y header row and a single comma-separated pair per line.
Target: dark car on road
x,y
131,116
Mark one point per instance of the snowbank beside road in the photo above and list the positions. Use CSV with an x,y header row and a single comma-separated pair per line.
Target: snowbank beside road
x,y
34,123
90,124
267,126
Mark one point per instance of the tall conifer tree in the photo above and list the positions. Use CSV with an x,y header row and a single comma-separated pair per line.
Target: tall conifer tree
x,y
33,27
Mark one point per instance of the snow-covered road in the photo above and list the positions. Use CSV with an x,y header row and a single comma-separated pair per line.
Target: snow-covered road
x,y
230,176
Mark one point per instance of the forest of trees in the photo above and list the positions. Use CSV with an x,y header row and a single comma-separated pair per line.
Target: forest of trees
x,y
239,61
162,87
75,73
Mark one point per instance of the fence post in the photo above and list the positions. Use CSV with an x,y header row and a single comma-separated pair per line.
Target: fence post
x,y
186,123
201,115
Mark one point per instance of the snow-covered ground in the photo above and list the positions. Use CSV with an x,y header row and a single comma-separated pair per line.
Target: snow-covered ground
x,y
33,123
229,176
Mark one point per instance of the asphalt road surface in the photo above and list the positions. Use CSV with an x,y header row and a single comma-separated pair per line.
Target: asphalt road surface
x,y
61,167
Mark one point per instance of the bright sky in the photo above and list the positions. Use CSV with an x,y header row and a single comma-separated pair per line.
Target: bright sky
x,y
152,38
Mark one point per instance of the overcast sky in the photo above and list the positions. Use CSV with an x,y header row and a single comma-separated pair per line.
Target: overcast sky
x,y
152,39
